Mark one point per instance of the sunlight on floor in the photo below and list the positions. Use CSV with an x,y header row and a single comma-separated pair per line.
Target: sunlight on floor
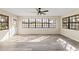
x,y
19,38
24,38
39,39
38,42
66,45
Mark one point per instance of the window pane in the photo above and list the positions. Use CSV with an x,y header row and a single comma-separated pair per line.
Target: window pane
x,y
65,23
52,23
45,23
32,23
25,23
4,22
38,23
77,18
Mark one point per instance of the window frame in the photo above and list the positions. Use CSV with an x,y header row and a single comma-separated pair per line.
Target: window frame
x,y
42,25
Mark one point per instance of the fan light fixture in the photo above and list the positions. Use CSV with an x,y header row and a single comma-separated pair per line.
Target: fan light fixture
x,y
40,11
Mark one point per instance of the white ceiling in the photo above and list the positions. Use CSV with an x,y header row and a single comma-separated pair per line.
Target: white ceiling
x,y
32,11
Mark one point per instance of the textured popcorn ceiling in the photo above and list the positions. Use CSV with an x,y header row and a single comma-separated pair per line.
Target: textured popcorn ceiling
x,y
33,12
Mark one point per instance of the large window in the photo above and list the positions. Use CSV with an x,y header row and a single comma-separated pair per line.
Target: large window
x,y
38,23
4,22
71,22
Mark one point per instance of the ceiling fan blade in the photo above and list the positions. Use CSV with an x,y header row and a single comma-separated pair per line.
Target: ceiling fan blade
x,y
45,11
42,13
38,9
38,13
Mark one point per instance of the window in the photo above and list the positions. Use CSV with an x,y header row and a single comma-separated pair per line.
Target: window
x,y
4,22
38,23
71,22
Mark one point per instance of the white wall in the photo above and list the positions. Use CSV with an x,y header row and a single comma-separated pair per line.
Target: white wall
x,y
6,34
73,34
39,30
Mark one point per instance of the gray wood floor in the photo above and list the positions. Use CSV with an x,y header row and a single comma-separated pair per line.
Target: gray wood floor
x,y
34,43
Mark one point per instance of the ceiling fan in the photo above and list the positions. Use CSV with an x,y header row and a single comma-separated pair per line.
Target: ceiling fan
x,y
40,11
